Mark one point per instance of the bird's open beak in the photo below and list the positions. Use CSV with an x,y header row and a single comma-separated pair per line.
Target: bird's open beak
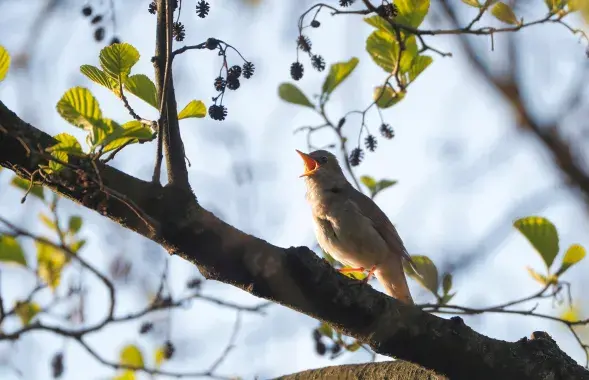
x,y
310,164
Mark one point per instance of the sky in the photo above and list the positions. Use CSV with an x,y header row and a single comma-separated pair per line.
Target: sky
x,y
464,172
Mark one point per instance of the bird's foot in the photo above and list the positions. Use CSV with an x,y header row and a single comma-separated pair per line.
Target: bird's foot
x,y
370,273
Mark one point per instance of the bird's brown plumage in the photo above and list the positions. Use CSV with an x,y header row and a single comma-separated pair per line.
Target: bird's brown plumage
x,y
351,227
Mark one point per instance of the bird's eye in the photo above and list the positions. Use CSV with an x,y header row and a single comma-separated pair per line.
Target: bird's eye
x,y
322,159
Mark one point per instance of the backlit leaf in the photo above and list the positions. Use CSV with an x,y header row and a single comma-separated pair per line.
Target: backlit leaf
x,y
51,262
573,255
74,224
141,86
388,97
131,356
503,12
66,143
472,3
11,251
291,94
117,60
4,62
196,108
411,12
26,311
418,65
338,72
384,50
369,182
541,233
427,273
98,76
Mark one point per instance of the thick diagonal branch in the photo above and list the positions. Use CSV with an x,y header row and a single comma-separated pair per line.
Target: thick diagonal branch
x,y
295,277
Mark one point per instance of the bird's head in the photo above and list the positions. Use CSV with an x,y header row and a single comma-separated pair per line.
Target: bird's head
x,y
321,166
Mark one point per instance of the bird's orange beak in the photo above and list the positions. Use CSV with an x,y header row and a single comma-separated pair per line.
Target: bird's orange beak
x,y
310,164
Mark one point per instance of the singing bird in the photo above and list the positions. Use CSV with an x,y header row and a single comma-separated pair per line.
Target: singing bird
x,y
351,227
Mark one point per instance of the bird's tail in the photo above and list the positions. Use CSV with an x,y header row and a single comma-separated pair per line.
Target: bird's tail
x,y
391,275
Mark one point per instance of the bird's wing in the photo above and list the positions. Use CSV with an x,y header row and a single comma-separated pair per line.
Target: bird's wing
x,y
381,223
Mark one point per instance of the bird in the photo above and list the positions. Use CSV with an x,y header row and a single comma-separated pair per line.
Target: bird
x,y
351,228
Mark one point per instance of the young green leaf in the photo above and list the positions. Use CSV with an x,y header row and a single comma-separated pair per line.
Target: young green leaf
x,y
74,224
369,182
542,234
573,255
503,12
68,144
196,108
79,107
354,346
388,97
427,273
418,65
472,3
131,356
56,165
24,185
142,87
26,311
326,330
447,283
291,94
98,76
379,23
338,72
130,132
384,50
4,62
411,12
554,5
542,279
126,375
159,356
50,263
117,60
11,251
383,184
48,222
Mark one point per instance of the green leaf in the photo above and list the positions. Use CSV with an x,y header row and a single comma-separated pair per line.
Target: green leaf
x,y
447,298
354,346
427,273
384,184
4,62
56,166
503,12
142,87
79,107
573,255
159,356
133,131
554,5
291,94
388,97
369,182
338,72
379,23
542,279
74,224
126,375
419,64
326,330
11,251
541,233
131,356
98,76
447,283
472,3
48,222
411,12
68,144
77,245
50,263
384,50
117,60
196,108
26,311
24,185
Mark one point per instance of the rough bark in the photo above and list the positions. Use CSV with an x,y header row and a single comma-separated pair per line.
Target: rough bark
x,y
293,277
391,370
